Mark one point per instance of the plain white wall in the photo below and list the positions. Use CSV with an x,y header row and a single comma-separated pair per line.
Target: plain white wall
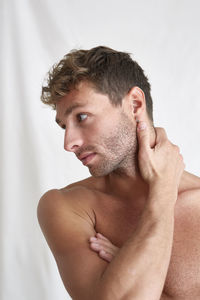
x,y
163,37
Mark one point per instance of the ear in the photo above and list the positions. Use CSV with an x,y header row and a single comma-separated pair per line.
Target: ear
x,y
137,102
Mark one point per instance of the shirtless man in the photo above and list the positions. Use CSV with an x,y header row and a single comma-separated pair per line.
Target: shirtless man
x,y
131,230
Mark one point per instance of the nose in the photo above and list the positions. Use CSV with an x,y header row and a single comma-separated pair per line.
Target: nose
x,y
72,140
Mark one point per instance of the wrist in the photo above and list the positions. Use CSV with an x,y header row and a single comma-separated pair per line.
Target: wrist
x,y
162,196
163,186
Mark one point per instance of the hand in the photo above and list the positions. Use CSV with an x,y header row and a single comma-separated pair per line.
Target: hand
x,y
163,163
103,246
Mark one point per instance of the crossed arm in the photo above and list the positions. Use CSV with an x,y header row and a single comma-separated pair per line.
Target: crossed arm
x,y
138,269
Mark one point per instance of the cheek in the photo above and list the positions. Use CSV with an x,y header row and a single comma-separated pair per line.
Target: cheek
x,y
96,137
92,136
97,130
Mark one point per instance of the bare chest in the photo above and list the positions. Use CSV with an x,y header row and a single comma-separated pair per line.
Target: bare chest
x,y
183,277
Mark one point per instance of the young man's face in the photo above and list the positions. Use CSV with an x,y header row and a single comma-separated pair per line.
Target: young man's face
x,y
97,128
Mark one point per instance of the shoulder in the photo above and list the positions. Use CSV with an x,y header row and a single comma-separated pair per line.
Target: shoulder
x,y
69,197
58,212
91,184
188,203
189,185
68,192
67,224
58,204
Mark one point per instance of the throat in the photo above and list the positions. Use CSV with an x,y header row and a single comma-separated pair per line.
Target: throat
x,y
131,190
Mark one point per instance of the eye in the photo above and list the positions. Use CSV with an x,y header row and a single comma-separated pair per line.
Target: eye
x,y
80,118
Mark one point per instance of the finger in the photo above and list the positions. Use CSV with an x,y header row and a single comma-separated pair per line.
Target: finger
x,y
105,242
99,235
109,248
107,256
107,245
143,135
161,135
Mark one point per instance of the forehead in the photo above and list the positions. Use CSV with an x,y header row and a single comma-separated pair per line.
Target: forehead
x,y
80,94
83,96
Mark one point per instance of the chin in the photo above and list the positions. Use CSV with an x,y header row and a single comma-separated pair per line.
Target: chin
x,y
96,172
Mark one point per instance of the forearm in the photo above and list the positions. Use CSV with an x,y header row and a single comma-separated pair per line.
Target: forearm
x,y
139,269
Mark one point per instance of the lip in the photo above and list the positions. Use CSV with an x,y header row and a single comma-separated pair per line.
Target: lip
x,y
88,158
85,155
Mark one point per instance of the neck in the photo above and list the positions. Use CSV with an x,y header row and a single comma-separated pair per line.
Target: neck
x,y
128,185
125,187
126,182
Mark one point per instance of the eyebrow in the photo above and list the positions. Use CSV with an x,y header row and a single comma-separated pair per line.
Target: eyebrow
x,y
70,109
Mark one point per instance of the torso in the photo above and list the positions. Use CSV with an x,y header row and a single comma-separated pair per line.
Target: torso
x,y
117,222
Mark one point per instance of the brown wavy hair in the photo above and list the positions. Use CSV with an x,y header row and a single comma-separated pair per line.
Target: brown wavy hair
x,y
111,72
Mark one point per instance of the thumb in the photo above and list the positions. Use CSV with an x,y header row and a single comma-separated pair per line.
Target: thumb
x,y
143,135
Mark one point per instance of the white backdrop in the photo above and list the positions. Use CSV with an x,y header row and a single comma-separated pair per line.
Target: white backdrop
x,y
163,37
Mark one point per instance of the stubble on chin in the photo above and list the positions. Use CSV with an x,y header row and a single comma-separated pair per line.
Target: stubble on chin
x,y
120,148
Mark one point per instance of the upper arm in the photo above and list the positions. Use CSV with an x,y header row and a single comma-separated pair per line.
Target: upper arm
x,y
67,229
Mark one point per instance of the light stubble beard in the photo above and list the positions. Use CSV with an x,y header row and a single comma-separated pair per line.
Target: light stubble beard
x,y
120,154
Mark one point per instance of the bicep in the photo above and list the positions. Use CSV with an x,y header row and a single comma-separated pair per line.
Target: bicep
x,y
67,233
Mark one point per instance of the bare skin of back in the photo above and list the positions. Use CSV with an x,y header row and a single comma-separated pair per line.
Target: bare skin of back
x,y
115,222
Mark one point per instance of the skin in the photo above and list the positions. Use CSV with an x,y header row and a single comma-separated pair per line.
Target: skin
x,y
117,163
115,169
114,142
89,129
105,249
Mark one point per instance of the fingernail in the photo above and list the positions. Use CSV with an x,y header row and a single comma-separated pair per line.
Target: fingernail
x,y
95,245
93,239
142,125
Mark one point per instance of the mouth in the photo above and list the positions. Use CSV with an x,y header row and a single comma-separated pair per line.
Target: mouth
x,y
88,158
